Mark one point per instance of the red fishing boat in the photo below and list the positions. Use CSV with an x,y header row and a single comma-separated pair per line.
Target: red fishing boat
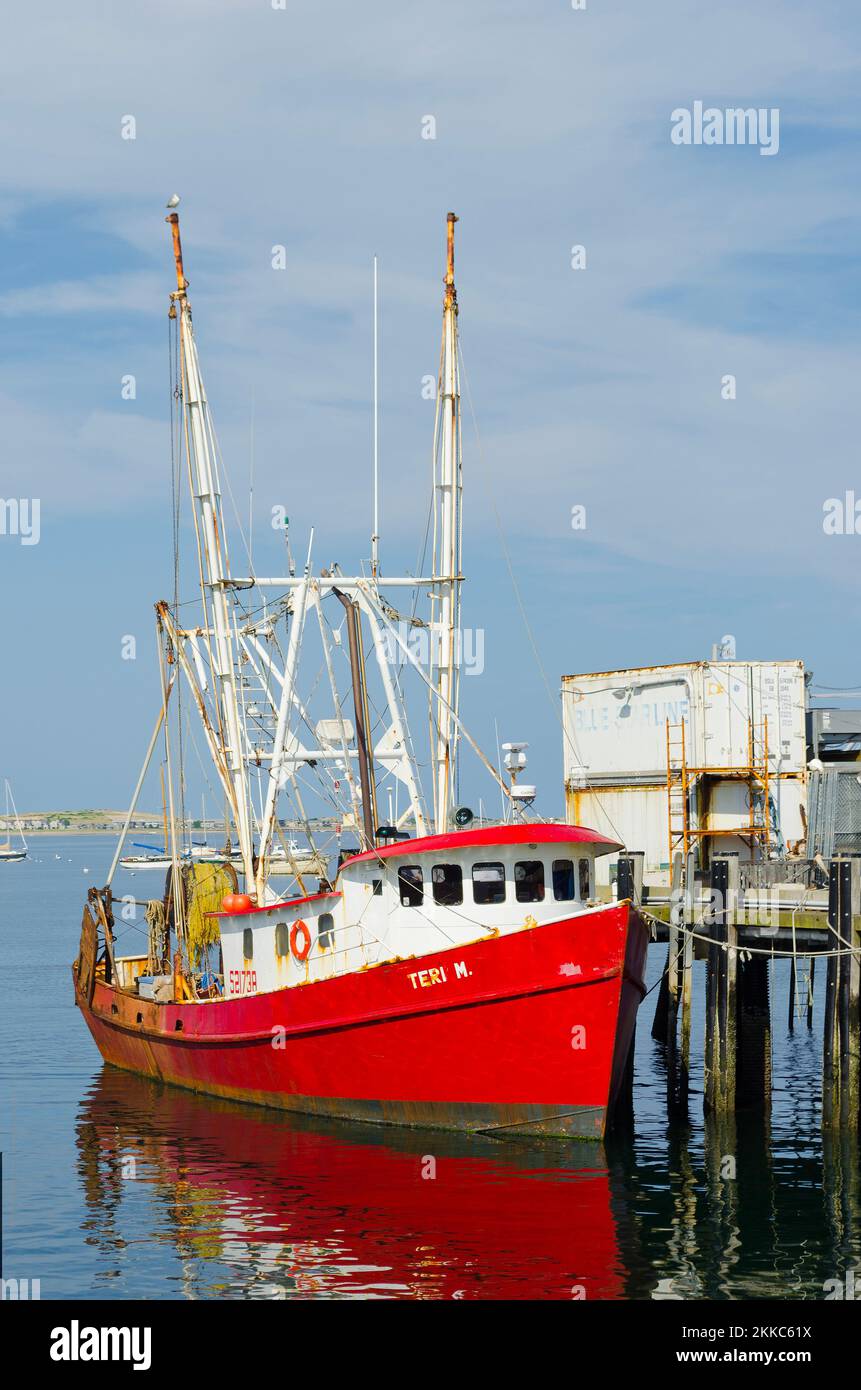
x,y
449,973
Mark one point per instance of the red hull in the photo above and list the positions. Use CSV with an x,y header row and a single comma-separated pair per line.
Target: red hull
x,y
527,1033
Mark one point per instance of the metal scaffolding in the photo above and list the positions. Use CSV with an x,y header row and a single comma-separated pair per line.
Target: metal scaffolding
x,y
685,784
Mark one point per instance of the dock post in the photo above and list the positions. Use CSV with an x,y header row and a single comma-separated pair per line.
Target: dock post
x,y
629,877
715,918
834,1036
841,1062
662,1004
853,1021
721,983
753,1067
673,984
729,1021
811,977
624,878
687,980
791,1018
629,885
661,1023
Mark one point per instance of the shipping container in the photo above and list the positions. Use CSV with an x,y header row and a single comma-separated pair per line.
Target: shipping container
x,y
615,752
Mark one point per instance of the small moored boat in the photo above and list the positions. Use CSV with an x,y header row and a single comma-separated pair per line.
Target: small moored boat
x,y
8,853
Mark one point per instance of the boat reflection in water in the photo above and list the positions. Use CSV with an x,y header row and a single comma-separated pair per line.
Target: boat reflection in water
x,y
260,1203
190,1196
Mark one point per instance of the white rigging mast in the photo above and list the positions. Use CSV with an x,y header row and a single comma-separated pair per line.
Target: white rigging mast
x,y
215,569
445,601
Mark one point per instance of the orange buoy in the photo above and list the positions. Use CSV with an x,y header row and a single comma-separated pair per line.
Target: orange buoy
x,y
236,902
300,952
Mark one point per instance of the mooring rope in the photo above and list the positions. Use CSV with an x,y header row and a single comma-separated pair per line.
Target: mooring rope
x,y
849,950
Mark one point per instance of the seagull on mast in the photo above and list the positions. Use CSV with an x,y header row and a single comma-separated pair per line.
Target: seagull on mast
x,y
173,202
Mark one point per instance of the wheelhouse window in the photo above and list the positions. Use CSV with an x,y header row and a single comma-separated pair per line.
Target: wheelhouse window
x,y
488,883
447,884
248,944
563,880
325,930
282,939
585,879
411,885
529,881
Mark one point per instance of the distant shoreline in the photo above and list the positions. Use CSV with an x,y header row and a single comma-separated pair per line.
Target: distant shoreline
x,y
81,830
92,830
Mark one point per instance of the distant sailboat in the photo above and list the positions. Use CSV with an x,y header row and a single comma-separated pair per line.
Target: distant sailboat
x,y
8,855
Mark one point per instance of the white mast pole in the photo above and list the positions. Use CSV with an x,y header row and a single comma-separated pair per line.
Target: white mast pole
x,y
448,554
10,797
375,538
207,500
282,726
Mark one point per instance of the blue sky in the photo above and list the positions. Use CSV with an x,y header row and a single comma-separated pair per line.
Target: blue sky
x,y
302,127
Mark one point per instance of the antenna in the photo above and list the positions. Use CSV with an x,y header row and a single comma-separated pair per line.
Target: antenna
x,y
375,538
251,490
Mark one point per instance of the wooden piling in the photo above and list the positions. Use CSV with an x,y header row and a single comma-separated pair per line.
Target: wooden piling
x,y
626,883
674,970
686,988
714,928
830,1087
729,1027
661,1023
852,1109
811,977
841,1045
721,988
662,1004
753,1020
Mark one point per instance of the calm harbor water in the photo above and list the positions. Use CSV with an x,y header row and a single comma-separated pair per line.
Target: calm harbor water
x,y
115,1187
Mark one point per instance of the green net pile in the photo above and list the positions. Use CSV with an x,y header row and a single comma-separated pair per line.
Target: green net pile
x,y
205,887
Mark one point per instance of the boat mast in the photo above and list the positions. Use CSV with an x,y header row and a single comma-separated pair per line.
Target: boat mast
x,y
216,570
448,483
10,797
375,538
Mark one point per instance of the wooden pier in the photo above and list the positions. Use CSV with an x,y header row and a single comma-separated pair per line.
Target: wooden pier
x,y
737,933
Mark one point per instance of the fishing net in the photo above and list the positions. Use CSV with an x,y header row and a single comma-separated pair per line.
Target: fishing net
x,y
205,886
158,937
